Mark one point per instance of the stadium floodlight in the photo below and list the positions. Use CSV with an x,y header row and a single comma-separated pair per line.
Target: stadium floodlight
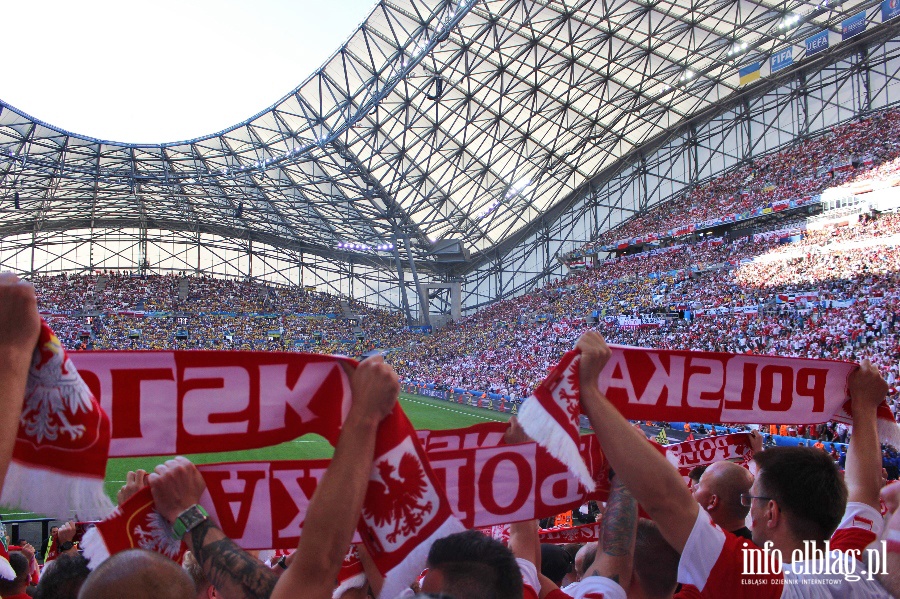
x,y
518,187
790,21
737,48
364,247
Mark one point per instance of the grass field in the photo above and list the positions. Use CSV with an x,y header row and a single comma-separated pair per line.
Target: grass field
x,y
424,412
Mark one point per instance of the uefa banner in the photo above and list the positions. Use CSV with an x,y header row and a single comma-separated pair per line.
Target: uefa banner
x,y
817,43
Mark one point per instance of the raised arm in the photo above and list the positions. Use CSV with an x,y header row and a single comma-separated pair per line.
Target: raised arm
x,y
615,554
19,329
862,471
650,478
335,506
235,574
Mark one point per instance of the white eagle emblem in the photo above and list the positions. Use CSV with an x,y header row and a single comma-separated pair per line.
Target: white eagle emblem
x,y
54,394
158,536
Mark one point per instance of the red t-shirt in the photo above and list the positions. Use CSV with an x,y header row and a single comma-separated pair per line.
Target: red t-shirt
x,y
714,561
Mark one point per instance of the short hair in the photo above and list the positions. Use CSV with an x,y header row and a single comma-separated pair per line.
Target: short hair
x,y
62,578
655,561
475,566
19,565
696,473
193,569
555,562
572,549
145,575
807,485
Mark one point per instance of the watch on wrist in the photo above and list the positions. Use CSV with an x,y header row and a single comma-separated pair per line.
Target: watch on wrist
x,y
188,520
65,546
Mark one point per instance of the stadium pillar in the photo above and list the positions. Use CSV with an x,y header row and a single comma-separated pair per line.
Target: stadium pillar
x,y
645,191
694,160
400,278
865,92
803,105
412,266
142,237
745,122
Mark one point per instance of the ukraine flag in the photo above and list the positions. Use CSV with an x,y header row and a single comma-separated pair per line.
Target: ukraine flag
x,y
749,73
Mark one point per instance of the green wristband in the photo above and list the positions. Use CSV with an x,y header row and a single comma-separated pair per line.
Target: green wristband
x,y
188,520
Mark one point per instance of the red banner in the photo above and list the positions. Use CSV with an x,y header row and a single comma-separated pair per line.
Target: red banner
x,y
182,402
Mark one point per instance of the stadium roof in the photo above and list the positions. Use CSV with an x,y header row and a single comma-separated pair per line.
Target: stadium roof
x,y
438,119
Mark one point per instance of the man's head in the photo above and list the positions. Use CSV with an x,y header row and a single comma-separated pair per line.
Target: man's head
x,y
694,475
139,573
62,578
202,587
555,563
719,493
572,549
16,586
470,565
584,558
798,495
655,562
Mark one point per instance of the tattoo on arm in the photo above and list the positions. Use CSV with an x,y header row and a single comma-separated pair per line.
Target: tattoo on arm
x,y
232,571
617,535
619,522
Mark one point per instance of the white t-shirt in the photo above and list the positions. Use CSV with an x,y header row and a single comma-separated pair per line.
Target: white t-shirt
x,y
595,587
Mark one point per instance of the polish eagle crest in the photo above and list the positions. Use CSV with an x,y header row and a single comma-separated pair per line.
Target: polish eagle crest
x,y
157,536
54,393
398,501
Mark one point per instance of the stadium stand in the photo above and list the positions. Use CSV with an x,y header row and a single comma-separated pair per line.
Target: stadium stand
x,y
752,261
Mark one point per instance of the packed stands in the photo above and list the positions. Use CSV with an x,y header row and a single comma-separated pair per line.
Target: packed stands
x,y
850,154
817,291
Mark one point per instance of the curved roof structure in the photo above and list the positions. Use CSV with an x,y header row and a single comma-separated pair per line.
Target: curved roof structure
x,y
438,119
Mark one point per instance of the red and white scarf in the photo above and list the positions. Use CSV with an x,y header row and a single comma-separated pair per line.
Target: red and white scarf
x,y
685,386
261,505
59,458
585,533
691,454
189,402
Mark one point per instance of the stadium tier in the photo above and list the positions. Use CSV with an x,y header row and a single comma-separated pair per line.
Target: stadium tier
x,y
352,318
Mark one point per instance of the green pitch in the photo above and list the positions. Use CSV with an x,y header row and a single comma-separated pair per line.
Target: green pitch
x,y
423,412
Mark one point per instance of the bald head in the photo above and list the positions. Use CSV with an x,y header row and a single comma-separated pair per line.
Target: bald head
x,y
138,574
719,493
585,558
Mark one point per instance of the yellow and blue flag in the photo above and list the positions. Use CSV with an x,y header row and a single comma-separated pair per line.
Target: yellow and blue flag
x,y
749,73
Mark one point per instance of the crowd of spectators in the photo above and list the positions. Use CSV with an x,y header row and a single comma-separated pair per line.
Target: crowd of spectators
x,y
819,292
852,153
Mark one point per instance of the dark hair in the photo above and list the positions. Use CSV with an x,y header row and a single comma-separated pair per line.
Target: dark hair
x,y
807,486
475,566
555,562
696,473
19,565
655,561
63,577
